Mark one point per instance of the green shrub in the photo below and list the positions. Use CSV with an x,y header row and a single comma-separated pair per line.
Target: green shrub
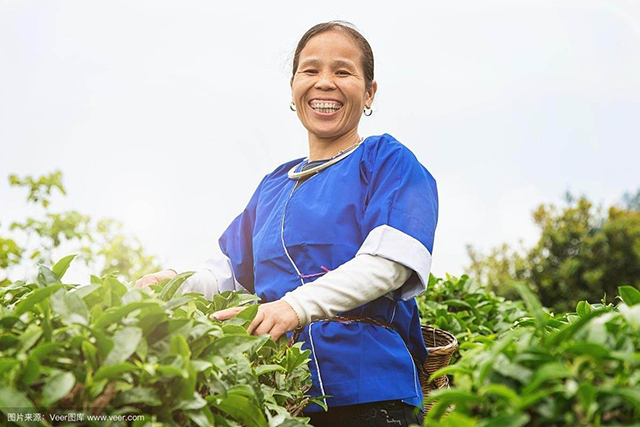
x,y
466,308
106,348
573,369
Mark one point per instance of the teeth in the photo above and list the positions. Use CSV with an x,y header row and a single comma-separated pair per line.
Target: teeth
x,y
325,107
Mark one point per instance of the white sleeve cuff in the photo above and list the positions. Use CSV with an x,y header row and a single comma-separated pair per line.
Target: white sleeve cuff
x,y
203,282
213,277
394,245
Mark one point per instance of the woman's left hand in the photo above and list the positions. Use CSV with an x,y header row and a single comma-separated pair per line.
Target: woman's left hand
x,y
273,318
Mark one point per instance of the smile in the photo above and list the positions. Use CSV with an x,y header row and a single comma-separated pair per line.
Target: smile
x,y
325,106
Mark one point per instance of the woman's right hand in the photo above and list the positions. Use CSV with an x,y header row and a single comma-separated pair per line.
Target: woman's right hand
x,y
154,279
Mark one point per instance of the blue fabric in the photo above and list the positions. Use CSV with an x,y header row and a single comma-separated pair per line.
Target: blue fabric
x,y
323,224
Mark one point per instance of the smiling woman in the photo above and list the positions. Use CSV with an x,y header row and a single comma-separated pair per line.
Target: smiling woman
x,y
331,86
338,244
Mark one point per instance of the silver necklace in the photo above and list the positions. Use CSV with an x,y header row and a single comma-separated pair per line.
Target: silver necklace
x,y
335,159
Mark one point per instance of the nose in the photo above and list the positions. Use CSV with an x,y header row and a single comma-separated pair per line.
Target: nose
x,y
325,81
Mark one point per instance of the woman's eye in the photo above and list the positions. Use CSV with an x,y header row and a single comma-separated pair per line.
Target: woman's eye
x,y
310,71
343,73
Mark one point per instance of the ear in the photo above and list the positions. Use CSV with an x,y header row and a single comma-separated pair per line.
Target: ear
x,y
371,93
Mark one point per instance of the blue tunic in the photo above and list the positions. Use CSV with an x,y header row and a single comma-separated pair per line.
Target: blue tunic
x,y
378,200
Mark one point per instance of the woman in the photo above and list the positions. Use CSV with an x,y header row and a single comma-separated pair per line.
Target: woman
x,y
347,231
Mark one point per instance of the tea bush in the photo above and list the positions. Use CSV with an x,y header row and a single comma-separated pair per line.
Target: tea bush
x,y
573,369
467,309
106,348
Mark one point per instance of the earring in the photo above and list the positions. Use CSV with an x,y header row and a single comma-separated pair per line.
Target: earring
x,y
292,106
368,111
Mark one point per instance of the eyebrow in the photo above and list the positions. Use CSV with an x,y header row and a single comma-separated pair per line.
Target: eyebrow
x,y
316,62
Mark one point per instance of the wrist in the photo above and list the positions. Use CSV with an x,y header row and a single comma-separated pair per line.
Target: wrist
x,y
297,309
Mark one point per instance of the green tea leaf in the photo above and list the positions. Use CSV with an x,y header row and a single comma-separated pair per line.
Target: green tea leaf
x,y
533,304
46,349
103,342
143,349
202,418
143,395
510,369
630,295
46,276
195,401
57,387
178,302
12,400
451,369
29,302
248,313
172,286
173,371
8,321
125,343
583,308
69,307
180,346
264,369
113,371
201,365
445,397
6,363
84,291
114,290
8,341
244,298
231,345
89,351
502,391
630,395
30,337
549,371
115,314
509,420
61,266
31,371
241,409
631,315
570,330
590,349
188,386
296,357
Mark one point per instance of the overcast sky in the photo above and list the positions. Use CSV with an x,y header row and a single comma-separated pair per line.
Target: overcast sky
x,y
166,115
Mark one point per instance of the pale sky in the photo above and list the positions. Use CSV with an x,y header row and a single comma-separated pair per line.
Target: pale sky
x,y
166,115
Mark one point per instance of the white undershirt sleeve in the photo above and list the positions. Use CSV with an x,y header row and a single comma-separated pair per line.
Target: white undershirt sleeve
x,y
360,280
214,276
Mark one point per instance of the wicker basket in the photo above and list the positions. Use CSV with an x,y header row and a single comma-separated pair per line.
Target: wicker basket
x,y
441,345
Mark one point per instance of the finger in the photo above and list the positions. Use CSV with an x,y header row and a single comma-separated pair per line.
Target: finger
x,y
145,281
143,284
265,326
276,333
255,322
227,313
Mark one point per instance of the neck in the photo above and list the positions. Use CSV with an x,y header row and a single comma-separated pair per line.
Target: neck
x,y
325,148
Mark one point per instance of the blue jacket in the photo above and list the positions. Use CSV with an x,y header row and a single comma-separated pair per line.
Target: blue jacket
x,y
378,200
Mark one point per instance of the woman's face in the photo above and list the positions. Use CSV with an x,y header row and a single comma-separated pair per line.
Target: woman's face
x,y
328,87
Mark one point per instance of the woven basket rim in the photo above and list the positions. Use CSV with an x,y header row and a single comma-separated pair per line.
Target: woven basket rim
x,y
450,347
